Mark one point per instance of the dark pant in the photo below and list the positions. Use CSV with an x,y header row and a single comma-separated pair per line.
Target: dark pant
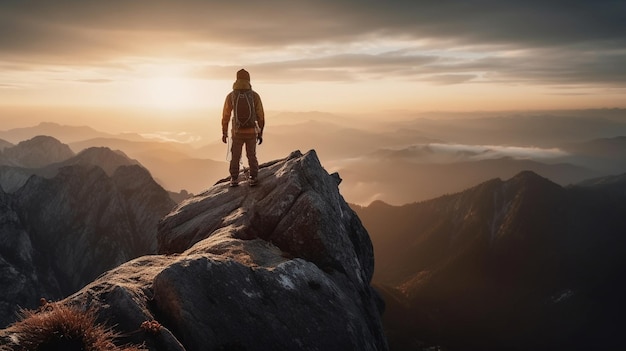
x,y
235,150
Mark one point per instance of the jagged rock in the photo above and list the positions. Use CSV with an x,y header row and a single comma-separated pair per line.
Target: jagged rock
x,y
13,178
297,212
90,222
18,272
281,266
59,234
299,209
37,152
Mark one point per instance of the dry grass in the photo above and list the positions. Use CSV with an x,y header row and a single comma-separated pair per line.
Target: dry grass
x,y
57,327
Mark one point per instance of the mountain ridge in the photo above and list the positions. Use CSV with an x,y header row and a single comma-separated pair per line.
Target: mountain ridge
x,y
62,232
518,258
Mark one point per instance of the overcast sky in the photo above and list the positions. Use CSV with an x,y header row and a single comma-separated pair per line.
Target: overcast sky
x,y
316,55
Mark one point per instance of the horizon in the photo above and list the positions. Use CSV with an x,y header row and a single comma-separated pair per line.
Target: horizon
x,y
204,125
165,59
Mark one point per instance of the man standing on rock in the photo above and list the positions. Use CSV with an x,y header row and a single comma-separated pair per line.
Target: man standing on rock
x,y
247,127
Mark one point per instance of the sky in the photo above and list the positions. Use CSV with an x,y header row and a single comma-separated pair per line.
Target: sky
x,y
349,56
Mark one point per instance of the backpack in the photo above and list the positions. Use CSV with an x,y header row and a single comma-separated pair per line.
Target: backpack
x,y
243,109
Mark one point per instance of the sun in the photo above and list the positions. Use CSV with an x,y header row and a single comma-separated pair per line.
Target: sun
x,y
169,93
172,87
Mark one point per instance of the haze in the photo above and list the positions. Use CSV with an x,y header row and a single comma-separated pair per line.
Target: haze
x,y
412,83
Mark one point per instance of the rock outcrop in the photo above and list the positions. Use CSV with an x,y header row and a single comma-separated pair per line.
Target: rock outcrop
x,y
285,265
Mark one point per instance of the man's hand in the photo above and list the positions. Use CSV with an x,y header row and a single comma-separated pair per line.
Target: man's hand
x,y
224,138
260,138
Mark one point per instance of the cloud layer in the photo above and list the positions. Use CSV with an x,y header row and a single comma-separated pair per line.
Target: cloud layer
x,y
570,43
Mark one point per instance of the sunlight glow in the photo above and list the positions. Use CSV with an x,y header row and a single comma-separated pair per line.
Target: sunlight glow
x,y
168,93
170,87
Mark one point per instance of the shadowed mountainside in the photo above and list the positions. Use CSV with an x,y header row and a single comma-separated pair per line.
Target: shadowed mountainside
x,y
517,264
59,234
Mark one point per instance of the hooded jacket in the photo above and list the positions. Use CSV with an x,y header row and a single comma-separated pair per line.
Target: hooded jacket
x,y
243,85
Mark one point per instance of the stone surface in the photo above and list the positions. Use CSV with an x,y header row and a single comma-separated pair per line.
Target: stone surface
x,y
285,265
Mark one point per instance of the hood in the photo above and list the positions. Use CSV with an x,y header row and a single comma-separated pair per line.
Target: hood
x,y
241,84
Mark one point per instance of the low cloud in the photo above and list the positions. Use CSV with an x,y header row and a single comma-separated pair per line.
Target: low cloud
x,y
447,153
480,152
172,137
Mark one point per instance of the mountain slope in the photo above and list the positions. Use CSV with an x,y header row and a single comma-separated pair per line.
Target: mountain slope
x,y
606,154
400,181
14,177
103,157
37,152
171,164
61,233
522,262
4,144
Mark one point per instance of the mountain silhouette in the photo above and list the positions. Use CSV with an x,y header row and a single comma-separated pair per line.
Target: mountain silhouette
x,y
44,156
67,134
37,152
102,157
516,264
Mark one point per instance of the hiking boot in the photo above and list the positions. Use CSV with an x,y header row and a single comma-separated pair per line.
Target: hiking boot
x,y
234,181
254,181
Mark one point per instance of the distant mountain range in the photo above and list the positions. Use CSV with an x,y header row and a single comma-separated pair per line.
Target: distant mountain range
x,y
45,155
519,264
396,161
67,134
402,181
174,165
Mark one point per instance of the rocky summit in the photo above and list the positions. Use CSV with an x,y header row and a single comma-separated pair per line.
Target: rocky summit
x,y
285,265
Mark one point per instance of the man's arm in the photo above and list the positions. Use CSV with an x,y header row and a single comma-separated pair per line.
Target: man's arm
x,y
260,114
228,108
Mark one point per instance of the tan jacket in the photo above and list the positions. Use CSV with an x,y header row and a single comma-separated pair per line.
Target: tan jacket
x,y
228,108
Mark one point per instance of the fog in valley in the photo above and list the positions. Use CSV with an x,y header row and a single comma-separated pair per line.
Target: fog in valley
x,y
394,158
